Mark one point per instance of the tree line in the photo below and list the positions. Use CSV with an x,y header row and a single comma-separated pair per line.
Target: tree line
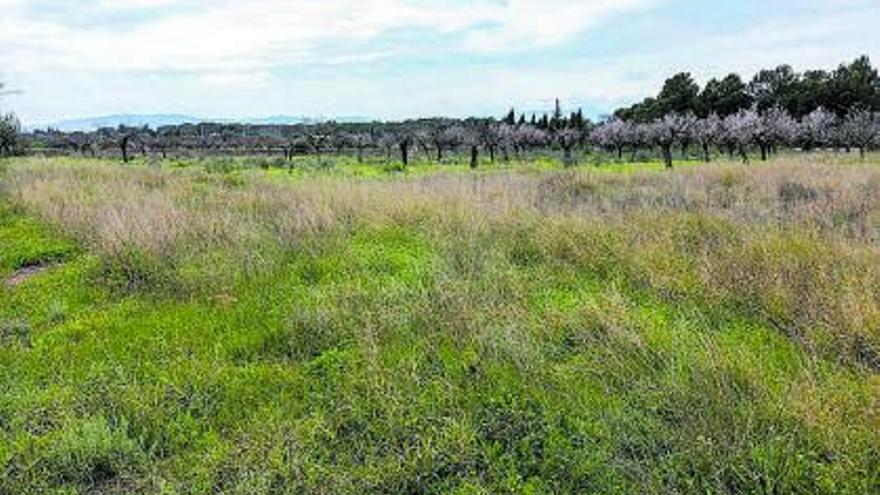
x,y
777,108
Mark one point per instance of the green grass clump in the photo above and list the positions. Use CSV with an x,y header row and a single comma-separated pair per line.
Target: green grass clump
x,y
86,454
509,331
27,243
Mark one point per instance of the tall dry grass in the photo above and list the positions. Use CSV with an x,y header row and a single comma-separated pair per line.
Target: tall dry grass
x,y
793,243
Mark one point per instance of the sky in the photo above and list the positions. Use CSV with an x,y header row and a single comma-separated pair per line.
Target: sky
x,y
394,59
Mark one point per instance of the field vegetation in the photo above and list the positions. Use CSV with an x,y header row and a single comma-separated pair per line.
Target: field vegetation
x,y
220,326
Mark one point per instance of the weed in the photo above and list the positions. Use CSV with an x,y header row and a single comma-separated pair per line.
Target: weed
x,y
15,332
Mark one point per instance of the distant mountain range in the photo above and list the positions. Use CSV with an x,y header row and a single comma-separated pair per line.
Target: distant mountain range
x,y
157,120
162,119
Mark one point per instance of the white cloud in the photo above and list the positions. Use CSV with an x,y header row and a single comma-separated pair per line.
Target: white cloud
x,y
237,80
821,41
132,4
225,36
220,54
527,23
619,78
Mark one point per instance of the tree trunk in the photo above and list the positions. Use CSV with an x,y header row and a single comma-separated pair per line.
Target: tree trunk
x,y
667,155
492,154
439,154
404,154
475,154
764,153
743,154
124,146
706,155
567,159
620,152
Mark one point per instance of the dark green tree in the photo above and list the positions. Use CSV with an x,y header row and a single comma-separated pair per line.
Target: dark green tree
x,y
646,111
557,121
10,129
855,87
724,97
679,94
510,118
576,120
544,123
813,92
775,88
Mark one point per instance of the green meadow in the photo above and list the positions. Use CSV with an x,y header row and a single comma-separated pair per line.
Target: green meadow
x,y
242,326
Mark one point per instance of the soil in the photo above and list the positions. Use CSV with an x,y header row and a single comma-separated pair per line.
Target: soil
x,y
23,274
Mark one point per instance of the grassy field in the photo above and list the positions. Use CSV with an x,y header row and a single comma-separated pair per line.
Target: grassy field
x,y
216,327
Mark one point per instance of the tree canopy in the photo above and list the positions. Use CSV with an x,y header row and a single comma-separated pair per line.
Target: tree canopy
x,y
851,87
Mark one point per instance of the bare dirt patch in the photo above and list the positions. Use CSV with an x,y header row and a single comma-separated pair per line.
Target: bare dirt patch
x,y
23,274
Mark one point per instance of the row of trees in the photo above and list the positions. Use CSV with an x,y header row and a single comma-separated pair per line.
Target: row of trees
x,y
777,108
433,138
745,130
854,86
735,134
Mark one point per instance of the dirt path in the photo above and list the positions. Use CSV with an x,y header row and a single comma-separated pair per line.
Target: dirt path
x,y
21,275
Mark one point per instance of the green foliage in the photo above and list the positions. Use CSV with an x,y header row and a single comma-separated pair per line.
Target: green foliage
x,y
10,128
854,86
724,97
15,332
28,243
679,94
84,454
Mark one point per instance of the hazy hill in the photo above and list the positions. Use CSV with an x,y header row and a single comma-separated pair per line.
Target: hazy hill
x,y
156,120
